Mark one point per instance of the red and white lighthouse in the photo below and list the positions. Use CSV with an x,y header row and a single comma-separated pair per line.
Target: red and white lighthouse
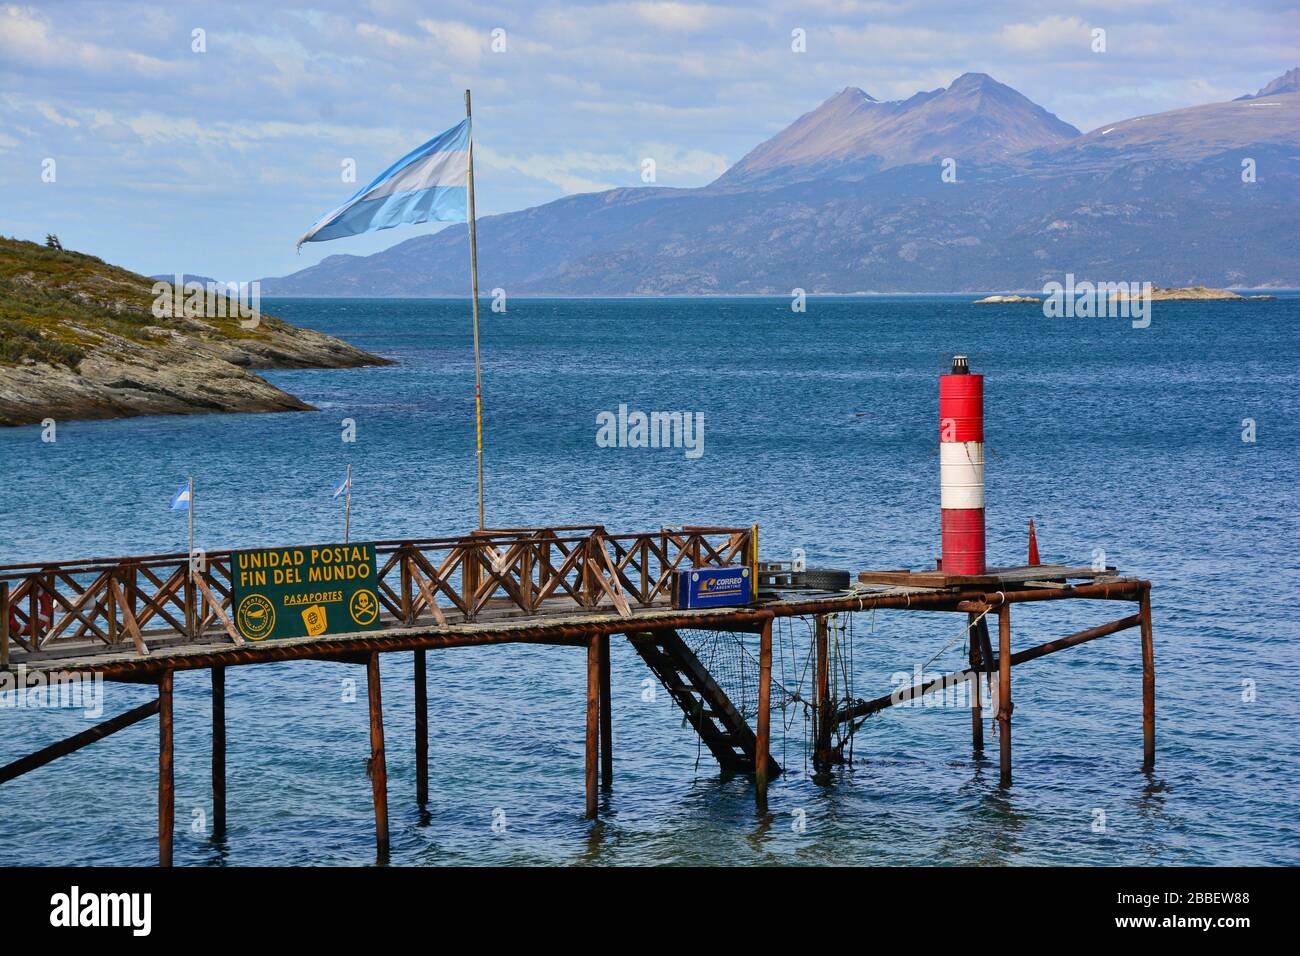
x,y
961,468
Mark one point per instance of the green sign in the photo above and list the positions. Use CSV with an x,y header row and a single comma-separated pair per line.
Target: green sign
x,y
305,592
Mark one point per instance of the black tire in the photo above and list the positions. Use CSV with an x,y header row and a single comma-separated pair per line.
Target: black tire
x,y
822,579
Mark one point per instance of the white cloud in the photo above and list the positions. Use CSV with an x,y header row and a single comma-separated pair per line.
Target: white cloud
x,y
575,171
54,116
676,17
394,39
675,164
1048,35
27,37
462,43
567,170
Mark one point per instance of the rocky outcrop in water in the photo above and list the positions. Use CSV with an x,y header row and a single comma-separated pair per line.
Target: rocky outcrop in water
x,y
81,339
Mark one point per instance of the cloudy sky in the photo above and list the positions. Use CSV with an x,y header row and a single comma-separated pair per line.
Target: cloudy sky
x,y
214,161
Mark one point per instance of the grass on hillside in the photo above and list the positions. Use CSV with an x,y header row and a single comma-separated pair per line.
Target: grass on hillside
x,y
53,302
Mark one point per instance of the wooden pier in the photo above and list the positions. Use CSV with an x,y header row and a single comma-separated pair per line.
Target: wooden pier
x,y
142,619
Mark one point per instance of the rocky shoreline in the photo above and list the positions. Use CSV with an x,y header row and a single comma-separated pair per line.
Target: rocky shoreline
x,y
80,339
1184,294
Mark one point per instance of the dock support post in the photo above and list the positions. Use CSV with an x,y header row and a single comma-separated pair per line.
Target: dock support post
x,y
1004,691
166,789
975,684
218,752
421,730
763,729
1148,682
378,765
4,625
824,719
593,721
606,718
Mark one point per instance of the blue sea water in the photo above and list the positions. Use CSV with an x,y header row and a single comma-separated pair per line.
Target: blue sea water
x,y
820,427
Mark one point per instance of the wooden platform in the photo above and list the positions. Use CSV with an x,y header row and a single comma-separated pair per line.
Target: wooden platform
x,y
560,622
1038,575
142,619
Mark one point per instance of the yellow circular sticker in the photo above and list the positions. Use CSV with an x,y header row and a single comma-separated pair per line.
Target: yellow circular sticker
x,y
255,617
364,607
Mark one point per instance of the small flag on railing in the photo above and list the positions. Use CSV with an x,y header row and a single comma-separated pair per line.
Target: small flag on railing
x,y
343,485
181,500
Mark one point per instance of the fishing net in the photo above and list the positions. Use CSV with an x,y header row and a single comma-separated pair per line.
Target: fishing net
x,y
732,659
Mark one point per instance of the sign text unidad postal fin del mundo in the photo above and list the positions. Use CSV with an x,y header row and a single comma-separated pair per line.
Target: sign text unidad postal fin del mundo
x,y
305,592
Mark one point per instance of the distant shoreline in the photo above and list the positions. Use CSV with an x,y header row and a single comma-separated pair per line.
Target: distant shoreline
x,y
1240,290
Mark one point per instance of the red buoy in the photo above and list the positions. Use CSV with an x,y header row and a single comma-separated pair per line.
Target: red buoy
x,y
961,468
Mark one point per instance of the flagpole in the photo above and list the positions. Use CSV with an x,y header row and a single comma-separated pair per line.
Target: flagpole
x,y
347,504
190,514
473,269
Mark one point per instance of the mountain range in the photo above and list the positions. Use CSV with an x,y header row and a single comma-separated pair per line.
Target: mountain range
x,y
969,188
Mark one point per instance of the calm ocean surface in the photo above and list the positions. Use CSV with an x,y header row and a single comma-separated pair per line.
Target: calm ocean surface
x,y
821,427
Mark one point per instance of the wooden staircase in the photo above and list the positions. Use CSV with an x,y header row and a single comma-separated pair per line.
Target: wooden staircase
x,y
707,708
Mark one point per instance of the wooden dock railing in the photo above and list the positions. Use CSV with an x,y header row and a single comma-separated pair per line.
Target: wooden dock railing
x,y
135,602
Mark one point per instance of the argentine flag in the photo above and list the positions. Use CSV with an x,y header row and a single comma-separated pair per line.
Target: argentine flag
x,y
427,184
343,486
181,500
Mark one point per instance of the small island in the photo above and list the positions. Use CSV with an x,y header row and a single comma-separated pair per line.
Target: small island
x,y
1183,294
1198,292
1001,299
83,339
